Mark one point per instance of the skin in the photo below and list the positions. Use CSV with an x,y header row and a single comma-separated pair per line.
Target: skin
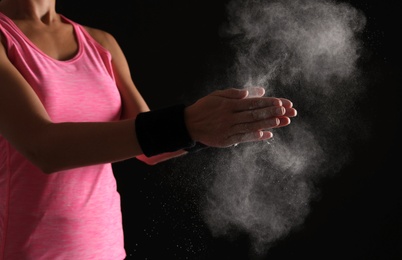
x,y
220,119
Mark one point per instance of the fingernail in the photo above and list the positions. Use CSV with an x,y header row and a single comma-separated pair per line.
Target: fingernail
x,y
278,102
280,111
274,121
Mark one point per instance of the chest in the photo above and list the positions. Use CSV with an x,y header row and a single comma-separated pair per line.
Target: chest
x,y
57,41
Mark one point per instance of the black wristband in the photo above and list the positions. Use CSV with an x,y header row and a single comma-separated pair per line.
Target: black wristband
x,y
163,130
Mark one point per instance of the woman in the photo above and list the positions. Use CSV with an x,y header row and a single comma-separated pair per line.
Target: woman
x,y
68,109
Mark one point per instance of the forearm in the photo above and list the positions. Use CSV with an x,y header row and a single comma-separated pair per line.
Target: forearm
x,y
68,145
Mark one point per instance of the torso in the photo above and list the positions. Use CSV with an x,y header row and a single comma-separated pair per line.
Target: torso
x,y
69,206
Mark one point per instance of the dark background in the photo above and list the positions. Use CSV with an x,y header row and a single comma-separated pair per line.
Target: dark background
x,y
174,50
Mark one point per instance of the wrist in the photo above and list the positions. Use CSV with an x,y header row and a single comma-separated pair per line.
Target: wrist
x,y
163,130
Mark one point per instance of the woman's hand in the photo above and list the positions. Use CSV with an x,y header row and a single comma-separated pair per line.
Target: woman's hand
x,y
231,116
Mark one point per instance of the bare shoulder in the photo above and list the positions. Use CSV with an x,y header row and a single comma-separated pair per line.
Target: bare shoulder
x,y
104,38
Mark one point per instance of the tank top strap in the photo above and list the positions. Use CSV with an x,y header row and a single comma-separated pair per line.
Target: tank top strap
x,y
8,31
83,37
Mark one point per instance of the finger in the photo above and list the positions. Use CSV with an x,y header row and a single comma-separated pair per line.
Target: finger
x,y
283,121
259,114
255,92
244,128
255,103
249,137
290,112
286,102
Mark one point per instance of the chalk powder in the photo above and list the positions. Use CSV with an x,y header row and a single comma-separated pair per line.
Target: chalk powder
x,y
307,51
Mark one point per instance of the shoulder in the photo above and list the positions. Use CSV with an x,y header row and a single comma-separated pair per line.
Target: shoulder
x,y
104,38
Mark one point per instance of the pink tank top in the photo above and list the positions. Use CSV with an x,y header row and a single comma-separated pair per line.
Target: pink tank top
x,y
73,214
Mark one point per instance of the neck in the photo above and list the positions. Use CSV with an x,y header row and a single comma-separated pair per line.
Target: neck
x,y
43,10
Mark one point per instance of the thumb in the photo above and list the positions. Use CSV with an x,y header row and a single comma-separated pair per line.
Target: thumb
x,y
232,93
255,92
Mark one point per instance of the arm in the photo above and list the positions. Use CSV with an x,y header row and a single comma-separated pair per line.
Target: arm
x,y
25,123
226,101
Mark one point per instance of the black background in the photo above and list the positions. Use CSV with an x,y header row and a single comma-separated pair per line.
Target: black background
x,y
173,48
